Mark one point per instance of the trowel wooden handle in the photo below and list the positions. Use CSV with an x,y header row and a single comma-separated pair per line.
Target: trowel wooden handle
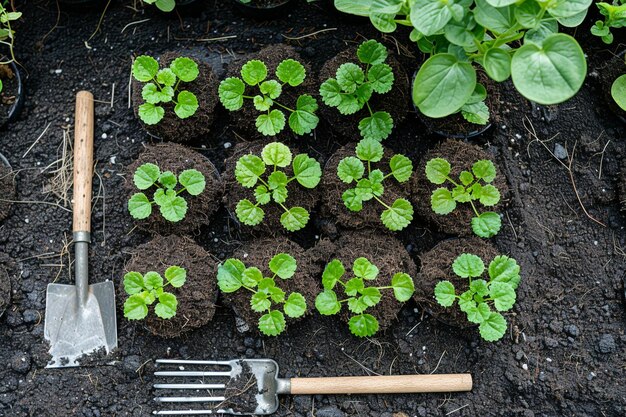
x,y
397,384
83,161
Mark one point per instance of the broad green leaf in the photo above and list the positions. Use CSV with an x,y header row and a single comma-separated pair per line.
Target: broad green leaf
x,y
283,265
152,280
442,202
550,73
538,34
166,77
479,286
187,104
133,283
139,206
461,195
403,286
384,22
349,104
262,194
437,170
502,294
618,91
331,93
564,9
176,276
529,14
369,150
173,209
501,3
364,190
497,63
145,68
466,178
430,16
135,308
272,123
166,308
477,113
352,200
168,180
248,213
291,72
363,268
304,120
466,301
326,303
504,269
277,295
248,170
193,181
363,325
479,94
151,114
251,277
151,94
229,275
272,323
266,284
487,224
231,93
443,85
372,52
277,179
490,196
381,78
279,194
496,19
359,8
493,328
398,216
307,171
185,69
146,175
485,170
295,306
350,169
260,302
461,33
262,103
478,313
271,88
163,5
377,127
253,72
468,265
354,286
357,305
401,168
333,272
276,153
294,219
371,296
350,76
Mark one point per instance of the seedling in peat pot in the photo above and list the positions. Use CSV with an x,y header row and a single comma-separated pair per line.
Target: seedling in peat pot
x,y
471,187
233,275
483,295
249,172
144,290
172,206
164,86
290,73
360,297
396,216
353,86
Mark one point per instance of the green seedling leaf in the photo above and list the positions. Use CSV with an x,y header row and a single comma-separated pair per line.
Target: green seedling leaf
x,y
489,196
283,265
248,213
272,323
461,195
398,216
442,202
497,63
277,179
262,103
503,295
304,120
229,275
152,280
477,113
377,127
251,277
151,94
326,303
135,308
231,93
485,170
364,190
271,88
350,169
260,302
173,209
176,276
437,170
372,52
307,171
331,93
352,200
487,224
479,313
185,69
350,104
401,168
168,180
295,306
279,194
369,150
350,76
363,268
479,286
166,308
371,296
262,194
354,286
271,124
167,78
504,269
146,175
468,265
357,305
363,325
145,68
187,104
618,91
403,286
277,154
291,72
493,328
381,78
445,293
133,283
466,178
193,181
253,72
294,219
332,273
466,301
151,114
248,170
139,206
266,284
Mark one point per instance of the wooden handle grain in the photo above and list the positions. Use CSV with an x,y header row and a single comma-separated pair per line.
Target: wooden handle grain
x,y
398,384
83,161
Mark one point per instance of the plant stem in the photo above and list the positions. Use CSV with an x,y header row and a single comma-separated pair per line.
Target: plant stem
x,y
382,202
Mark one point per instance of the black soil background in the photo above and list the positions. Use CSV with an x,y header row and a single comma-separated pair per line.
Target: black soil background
x,y
564,355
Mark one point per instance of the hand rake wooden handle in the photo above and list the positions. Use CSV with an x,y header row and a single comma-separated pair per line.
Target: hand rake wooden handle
x,y
83,161
397,384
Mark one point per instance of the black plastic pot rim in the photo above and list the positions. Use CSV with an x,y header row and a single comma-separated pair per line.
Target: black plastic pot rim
x,y
4,161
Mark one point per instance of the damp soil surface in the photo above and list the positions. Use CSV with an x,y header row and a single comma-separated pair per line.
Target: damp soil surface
x,y
8,96
563,354
7,190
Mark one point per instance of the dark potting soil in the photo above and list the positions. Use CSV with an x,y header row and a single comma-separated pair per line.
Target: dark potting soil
x,y
436,265
461,156
177,158
244,119
8,96
241,391
566,345
608,71
258,253
333,188
172,127
395,102
5,289
264,4
298,196
196,298
7,190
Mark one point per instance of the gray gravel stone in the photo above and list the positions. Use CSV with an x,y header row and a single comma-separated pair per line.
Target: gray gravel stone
x,y
607,344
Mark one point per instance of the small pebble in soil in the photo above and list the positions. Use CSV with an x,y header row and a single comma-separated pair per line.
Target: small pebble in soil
x,y
559,151
525,366
606,344
591,376
329,411
227,145
20,362
572,330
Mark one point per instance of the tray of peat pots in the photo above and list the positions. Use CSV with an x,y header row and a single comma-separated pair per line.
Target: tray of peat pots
x,y
270,94
12,94
474,118
612,78
174,97
169,283
264,9
270,188
365,92
461,190
172,189
465,283
270,283
367,279
7,187
367,185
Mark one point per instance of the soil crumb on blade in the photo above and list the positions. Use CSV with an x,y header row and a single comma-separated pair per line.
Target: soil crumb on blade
x,y
241,391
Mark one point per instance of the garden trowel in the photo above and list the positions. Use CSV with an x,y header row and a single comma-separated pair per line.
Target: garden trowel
x,y
80,319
